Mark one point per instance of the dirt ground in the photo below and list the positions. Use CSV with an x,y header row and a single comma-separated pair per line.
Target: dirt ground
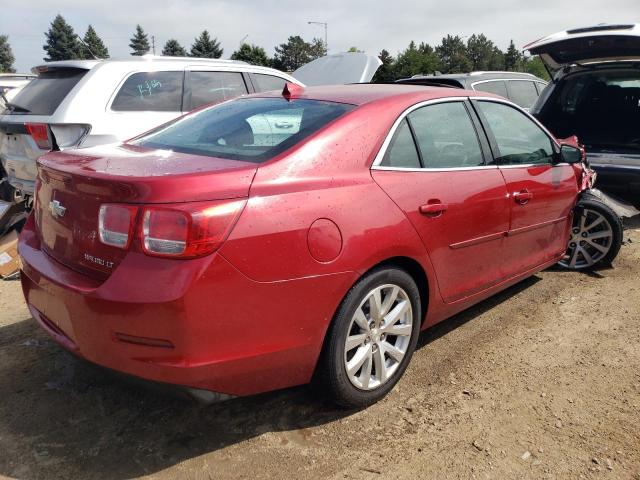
x,y
541,381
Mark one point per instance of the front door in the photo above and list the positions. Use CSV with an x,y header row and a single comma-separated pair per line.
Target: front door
x,y
434,170
542,193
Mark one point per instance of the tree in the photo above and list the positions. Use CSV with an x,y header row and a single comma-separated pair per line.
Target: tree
x,y
386,71
205,47
251,54
355,50
535,66
480,51
292,55
62,42
173,49
513,58
453,55
6,55
93,45
497,59
317,49
416,60
139,42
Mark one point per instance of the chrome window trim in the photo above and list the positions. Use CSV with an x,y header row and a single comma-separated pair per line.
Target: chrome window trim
x,y
473,85
385,145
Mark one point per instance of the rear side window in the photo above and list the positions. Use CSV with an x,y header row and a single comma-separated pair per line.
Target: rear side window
x,y
44,94
402,150
519,139
264,83
215,87
150,92
522,92
446,136
249,129
497,87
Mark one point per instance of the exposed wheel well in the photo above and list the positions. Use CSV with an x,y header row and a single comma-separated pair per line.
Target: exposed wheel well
x,y
418,274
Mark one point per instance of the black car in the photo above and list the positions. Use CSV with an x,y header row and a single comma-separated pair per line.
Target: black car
x,y
595,94
521,88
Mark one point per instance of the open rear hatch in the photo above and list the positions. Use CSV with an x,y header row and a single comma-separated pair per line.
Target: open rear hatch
x,y
339,69
601,43
72,186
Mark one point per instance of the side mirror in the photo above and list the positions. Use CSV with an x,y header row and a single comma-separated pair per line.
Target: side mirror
x,y
571,154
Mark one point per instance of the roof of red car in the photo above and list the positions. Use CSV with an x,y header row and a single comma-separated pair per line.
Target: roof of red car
x,y
359,94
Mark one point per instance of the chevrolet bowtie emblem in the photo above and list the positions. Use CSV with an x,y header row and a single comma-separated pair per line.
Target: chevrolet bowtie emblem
x,y
56,209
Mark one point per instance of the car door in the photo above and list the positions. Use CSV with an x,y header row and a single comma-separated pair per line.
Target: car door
x,y
433,167
205,86
541,192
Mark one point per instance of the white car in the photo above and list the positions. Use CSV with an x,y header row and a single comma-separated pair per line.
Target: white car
x,y
83,103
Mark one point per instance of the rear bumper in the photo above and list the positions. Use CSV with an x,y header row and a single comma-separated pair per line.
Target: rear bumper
x,y
216,329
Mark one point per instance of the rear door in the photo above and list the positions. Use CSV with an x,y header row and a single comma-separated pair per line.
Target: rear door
x,y
541,194
434,168
205,86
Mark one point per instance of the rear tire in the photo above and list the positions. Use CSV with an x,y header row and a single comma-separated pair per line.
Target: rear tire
x,y
596,236
371,339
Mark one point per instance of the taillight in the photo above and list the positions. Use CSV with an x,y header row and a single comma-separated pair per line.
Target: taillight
x,y
116,224
188,230
40,134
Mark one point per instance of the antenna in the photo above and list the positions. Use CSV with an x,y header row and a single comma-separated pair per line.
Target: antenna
x,y
87,47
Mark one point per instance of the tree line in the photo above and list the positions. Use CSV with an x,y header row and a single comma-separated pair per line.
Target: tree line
x,y
452,55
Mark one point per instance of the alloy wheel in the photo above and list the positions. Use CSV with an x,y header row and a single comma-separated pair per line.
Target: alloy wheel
x,y
379,336
591,239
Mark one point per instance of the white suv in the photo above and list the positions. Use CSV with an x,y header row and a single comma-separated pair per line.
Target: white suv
x,y
84,103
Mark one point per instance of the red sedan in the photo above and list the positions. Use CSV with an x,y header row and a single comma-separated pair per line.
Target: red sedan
x,y
253,244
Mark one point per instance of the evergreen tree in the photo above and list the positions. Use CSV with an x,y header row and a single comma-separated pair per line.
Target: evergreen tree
x,y
416,60
173,49
317,49
205,47
480,51
513,58
453,55
293,54
6,55
139,42
94,45
62,42
386,71
251,54
497,60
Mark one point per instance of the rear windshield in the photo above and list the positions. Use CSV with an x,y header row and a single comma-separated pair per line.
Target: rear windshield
x,y
249,129
45,93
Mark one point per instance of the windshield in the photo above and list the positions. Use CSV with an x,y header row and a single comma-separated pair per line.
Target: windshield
x,y
601,107
249,129
44,94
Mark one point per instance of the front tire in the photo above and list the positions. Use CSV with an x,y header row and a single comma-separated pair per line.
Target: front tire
x,y
596,236
372,338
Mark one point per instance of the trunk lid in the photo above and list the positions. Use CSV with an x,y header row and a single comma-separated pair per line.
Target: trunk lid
x,y
601,43
73,185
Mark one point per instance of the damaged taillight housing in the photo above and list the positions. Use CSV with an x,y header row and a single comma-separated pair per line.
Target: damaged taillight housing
x,y
177,230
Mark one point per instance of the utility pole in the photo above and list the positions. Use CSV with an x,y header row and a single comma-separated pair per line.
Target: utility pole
x,y
153,44
325,25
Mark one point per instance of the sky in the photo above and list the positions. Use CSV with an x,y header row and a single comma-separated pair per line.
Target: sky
x,y
370,25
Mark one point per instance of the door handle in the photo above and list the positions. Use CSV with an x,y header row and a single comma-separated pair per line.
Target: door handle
x,y
433,209
523,196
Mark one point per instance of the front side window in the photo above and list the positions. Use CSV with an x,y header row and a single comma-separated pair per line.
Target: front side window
x,y
497,87
519,139
522,92
150,92
249,129
215,87
264,83
402,149
446,136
